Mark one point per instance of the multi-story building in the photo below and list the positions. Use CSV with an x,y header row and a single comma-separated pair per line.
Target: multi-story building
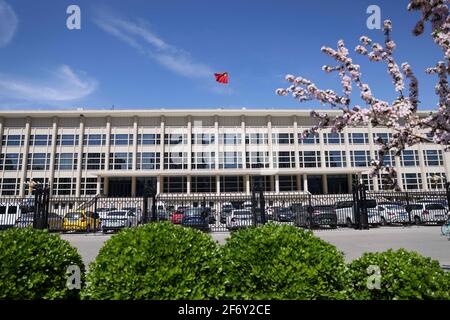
x,y
116,152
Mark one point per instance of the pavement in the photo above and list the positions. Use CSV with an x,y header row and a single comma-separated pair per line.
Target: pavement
x,y
426,240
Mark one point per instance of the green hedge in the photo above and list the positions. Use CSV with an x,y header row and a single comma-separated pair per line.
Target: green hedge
x,y
156,261
282,262
403,275
33,265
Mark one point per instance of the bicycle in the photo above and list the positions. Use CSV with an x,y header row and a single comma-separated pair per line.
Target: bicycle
x,y
445,228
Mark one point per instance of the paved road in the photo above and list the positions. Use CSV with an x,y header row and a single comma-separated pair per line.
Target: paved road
x,y
425,240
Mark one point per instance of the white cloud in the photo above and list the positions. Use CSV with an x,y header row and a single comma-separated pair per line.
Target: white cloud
x,y
67,86
138,35
8,23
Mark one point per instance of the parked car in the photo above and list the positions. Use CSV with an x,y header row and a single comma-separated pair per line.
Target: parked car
x,y
390,213
197,218
345,216
137,211
240,218
80,220
177,216
102,212
321,215
282,214
9,213
427,212
162,215
119,219
225,211
54,221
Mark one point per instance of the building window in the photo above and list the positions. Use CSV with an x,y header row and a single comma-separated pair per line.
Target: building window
x,y
230,160
64,186
203,160
436,181
93,161
203,184
40,140
284,159
10,186
148,161
333,138
121,139
13,140
67,140
41,181
11,161
335,159
282,138
203,138
388,158
262,181
309,139
38,161
360,158
256,138
358,138
410,158
384,183
366,180
382,136
433,157
175,138
230,138
121,161
94,139
287,183
256,160
337,184
175,160
412,181
310,159
175,184
66,161
231,184
149,139
89,186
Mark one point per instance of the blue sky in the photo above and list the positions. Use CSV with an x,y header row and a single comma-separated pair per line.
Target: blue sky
x,y
162,54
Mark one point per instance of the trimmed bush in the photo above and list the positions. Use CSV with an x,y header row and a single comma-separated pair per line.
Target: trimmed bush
x,y
404,275
156,261
33,265
282,262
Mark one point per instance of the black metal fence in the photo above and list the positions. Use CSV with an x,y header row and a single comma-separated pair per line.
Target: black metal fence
x,y
225,212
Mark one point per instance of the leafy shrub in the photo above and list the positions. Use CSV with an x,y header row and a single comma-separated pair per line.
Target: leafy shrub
x,y
33,265
282,262
156,261
404,275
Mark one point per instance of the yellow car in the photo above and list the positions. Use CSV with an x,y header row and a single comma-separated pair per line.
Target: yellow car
x,y
80,220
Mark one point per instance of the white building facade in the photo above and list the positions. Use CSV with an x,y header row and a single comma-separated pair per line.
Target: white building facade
x,y
117,152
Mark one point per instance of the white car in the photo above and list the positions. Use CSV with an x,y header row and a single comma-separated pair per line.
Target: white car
x,y
428,212
241,218
344,213
391,213
119,219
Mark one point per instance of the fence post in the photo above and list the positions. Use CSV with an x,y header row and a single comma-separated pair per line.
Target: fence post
x,y
364,219
95,214
447,189
356,208
46,201
310,211
262,206
408,207
145,207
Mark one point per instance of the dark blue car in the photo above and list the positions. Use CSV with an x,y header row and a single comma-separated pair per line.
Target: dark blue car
x,y
197,218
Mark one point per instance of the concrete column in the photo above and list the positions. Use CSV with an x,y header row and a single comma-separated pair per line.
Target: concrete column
x,y
243,146
247,184
188,184
296,146
162,146
322,150
218,185
133,186
106,182
270,142
80,156
348,159
99,185
135,144
299,182
324,184
159,183
108,145
53,153
305,183
350,182
373,149
1,133
216,142
399,173
189,144
23,174
277,183
423,173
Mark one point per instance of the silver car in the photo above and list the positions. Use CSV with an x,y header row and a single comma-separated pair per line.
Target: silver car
x,y
428,212
392,213
242,218
119,219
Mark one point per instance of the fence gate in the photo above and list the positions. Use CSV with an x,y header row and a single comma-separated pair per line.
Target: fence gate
x,y
360,214
41,207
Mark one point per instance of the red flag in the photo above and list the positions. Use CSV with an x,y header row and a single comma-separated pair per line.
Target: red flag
x,y
221,77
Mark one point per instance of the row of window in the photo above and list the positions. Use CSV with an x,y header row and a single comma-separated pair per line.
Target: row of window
x,y
202,138
207,160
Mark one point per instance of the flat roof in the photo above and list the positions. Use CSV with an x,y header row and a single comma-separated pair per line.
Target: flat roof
x,y
168,112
